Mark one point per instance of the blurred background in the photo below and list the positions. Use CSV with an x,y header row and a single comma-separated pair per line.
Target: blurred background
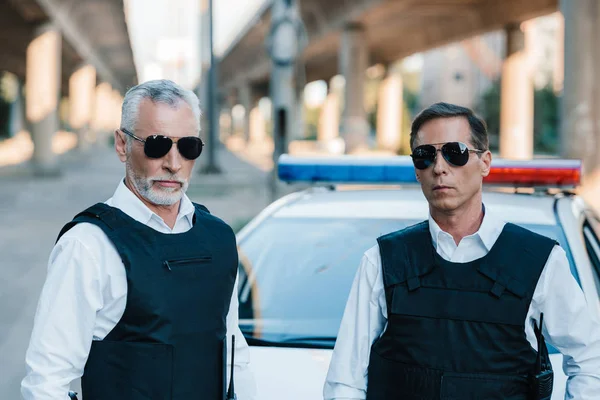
x,y
296,76
358,72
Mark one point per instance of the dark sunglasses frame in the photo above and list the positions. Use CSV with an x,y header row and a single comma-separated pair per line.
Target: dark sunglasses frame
x,y
457,159
147,143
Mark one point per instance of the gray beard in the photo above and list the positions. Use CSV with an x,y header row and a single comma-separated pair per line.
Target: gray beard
x,y
158,196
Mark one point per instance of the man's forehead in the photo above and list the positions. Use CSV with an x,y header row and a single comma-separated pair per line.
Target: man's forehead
x,y
172,124
455,122
457,127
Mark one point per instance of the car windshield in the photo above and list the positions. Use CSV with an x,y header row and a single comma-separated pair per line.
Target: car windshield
x,y
296,274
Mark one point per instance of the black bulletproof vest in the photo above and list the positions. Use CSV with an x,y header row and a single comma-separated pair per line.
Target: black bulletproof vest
x,y
456,331
170,343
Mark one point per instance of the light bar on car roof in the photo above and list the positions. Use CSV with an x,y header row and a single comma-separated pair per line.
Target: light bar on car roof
x,y
346,169
400,170
539,172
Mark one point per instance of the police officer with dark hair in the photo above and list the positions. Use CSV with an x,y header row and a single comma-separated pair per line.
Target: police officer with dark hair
x,y
455,307
140,300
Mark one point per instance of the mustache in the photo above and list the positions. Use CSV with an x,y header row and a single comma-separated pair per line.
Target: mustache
x,y
172,178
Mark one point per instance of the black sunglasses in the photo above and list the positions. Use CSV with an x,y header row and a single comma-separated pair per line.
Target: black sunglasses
x,y
455,153
157,146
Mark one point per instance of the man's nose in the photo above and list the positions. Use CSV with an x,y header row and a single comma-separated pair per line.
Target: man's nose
x,y
172,160
440,165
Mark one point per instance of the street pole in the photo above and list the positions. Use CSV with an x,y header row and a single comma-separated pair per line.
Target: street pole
x,y
284,44
211,166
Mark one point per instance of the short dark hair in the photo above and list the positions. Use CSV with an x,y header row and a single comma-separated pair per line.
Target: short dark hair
x,y
479,134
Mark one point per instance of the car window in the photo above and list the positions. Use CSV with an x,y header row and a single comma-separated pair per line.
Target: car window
x,y
591,233
296,273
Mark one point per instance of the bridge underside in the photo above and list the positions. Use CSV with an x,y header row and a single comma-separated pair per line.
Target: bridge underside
x,y
93,32
393,29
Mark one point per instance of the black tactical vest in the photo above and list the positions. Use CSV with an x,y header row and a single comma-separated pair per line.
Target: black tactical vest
x,y
456,330
170,342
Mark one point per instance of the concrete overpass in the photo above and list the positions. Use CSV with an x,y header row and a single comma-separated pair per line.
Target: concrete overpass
x,y
78,49
392,29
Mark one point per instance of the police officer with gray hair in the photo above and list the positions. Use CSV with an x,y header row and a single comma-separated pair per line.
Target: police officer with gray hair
x,y
457,306
140,299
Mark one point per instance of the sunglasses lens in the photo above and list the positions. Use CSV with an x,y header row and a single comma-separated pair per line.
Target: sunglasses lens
x,y
456,153
190,147
423,156
157,146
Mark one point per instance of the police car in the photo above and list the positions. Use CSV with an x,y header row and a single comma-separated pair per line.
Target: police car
x,y
299,256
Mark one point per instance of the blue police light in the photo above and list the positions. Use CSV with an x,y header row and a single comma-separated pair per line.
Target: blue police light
x,y
347,169
400,170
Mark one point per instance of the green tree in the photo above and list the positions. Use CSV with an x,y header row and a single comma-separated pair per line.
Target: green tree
x,y
311,122
488,108
546,121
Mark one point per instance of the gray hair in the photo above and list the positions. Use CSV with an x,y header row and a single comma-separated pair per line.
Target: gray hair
x,y
158,91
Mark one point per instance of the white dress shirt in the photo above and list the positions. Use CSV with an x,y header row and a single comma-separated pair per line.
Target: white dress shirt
x,y
569,324
84,297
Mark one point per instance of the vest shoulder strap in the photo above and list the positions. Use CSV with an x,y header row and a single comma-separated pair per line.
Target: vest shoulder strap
x,y
517,247
400,248
201,209
99,214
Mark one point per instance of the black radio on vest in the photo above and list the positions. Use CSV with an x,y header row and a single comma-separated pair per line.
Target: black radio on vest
x,y
231,391
456,330
171,342
543,378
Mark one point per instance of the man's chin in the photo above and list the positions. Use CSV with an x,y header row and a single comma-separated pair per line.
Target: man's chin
x,y
164,197
445,204
167,189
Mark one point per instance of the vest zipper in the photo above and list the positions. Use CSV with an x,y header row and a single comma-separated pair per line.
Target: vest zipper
x,y
173,263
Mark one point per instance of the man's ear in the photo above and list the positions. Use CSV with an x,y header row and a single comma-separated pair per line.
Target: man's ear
x,y
121,145
486,163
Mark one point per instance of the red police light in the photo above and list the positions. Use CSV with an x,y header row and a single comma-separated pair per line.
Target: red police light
x,y
532,173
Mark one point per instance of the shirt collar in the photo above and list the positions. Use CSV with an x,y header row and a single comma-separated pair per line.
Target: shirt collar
x,y
130,204
488,232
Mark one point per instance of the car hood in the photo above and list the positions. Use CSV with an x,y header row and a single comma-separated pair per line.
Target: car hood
x,y
289,373
299,374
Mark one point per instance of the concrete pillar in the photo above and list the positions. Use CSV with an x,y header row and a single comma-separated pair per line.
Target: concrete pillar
x,y
117,102
516,95
82,85
580,125
579,102
202,93
43,76
226,130
354,60
103,120
329,120
389,113
559,66
258,130
245,99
